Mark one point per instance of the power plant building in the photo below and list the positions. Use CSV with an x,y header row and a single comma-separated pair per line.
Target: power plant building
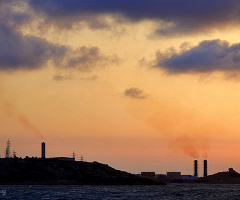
x,y
188,177
64,158
149,175
174,175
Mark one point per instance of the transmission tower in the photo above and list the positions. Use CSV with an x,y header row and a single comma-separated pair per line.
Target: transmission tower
x,y
7,152
73,155
81,158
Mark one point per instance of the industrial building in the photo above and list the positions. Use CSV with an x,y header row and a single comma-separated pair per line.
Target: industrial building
x,y
188,177
149,175
174,175
64,158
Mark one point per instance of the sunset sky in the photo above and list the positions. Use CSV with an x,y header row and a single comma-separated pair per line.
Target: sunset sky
x,y
141,85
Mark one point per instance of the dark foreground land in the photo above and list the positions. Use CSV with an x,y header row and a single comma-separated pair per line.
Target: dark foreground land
x,y
229,177
58,172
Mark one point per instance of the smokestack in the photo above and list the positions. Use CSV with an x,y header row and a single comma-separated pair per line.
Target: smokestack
x,y
195,168
205,168
43,149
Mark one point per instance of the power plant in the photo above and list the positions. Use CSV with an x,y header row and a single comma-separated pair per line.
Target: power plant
x,y
169,176
43,150
144,174
205,168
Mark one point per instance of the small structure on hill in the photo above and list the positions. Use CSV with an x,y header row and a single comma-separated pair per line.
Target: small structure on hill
x,y
149,175
174,175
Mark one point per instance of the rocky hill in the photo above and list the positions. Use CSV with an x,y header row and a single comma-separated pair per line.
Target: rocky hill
x,y
229,177
54,171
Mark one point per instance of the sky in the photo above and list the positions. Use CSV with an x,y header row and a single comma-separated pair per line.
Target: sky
x,y
140,85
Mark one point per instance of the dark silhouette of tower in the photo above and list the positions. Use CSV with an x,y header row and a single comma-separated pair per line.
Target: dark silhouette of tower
x,y
205,168
7,151
43,149
73,155
195,167
81,158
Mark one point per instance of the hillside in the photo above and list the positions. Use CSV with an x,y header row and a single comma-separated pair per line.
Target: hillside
x,y
229,177
54,171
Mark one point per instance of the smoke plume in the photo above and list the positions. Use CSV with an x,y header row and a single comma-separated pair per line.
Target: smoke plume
x,y
192,146
182,129
12,112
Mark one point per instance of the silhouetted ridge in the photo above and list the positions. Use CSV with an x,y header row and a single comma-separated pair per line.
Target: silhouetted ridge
x,y
54,171
229,177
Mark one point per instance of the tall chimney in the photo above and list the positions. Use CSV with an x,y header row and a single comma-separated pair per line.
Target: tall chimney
x,y
195,168
43,149
205,168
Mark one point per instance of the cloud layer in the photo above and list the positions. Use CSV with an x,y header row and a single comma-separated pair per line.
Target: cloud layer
x,y
185,16
25,52
19,51
207,56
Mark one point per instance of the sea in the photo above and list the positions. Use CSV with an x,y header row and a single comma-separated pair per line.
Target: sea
x,y
168,192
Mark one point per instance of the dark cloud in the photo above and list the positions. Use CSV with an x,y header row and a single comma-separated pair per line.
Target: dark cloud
x,y
63,77
60,77
91,78
13,14
19,51
135,93
87,58
207,56
183,16
65,14
25,52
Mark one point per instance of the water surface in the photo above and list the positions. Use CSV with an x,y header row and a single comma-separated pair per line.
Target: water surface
x,y
173,191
